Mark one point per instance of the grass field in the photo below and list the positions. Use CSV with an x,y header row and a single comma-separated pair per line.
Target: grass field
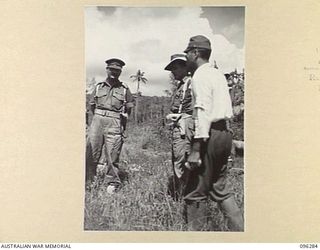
x,y
143,204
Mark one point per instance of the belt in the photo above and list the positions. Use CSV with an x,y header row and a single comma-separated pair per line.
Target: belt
x,y
188,112
108,113
185,115
219,125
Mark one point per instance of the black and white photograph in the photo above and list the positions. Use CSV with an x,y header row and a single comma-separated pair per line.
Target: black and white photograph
x,y
159,122
164,118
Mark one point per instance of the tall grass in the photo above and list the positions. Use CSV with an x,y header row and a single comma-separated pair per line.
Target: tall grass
x,y
143,204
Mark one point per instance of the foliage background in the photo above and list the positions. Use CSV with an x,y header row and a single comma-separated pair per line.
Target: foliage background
x,y
144,204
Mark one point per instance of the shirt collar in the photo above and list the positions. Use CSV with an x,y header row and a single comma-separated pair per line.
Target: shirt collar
x,y
109,85
205,65
201,68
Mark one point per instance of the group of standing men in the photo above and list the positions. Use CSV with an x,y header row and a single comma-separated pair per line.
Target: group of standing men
x,y
200,111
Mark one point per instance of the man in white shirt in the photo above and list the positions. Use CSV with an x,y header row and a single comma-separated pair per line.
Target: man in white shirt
x,y
212,142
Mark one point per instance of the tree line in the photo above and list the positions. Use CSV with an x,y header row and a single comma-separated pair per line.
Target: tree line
x,y
153,109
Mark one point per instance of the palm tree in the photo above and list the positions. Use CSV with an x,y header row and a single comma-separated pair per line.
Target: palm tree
x,y
139,77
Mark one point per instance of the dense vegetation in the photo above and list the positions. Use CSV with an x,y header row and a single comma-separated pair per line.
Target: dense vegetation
x,y
143,203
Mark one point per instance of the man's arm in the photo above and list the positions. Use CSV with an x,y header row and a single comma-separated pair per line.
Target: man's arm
x,y
92,104
202,90
202,101
194,159
129,101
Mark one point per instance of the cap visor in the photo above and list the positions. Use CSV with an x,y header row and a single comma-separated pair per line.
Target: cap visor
x,y
186,50
168,67
114,67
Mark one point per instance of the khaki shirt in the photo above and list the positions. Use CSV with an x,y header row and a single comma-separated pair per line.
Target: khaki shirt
x,y
113,98
187,104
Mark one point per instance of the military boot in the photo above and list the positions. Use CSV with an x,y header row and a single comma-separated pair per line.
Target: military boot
x,y
91,172
232,214
196,215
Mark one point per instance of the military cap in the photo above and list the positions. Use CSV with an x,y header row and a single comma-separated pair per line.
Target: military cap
x,y
115,63
174,58
198,42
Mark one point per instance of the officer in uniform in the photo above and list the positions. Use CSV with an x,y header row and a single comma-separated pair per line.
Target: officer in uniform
x,y
181,117
111,104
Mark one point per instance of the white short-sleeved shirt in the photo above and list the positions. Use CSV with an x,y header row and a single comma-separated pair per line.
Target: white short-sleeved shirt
x,y
211,97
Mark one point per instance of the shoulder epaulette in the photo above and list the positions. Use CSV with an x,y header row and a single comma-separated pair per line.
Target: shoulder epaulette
x,y
124,85
98,85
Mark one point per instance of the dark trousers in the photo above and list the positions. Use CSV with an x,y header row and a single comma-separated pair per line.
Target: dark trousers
x,y
209,180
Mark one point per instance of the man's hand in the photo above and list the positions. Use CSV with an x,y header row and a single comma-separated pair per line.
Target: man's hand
x,y
173,117
194,160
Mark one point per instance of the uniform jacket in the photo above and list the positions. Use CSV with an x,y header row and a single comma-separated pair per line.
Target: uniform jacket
x,y
187,104
113,98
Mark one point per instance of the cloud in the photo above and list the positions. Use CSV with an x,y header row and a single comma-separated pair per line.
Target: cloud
x,y
235,30
232,30
145,38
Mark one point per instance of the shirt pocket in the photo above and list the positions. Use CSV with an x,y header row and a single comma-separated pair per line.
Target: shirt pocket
x,y
117,99
190,128
176,135
101,96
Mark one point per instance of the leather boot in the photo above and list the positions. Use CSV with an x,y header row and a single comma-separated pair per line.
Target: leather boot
x,y
195,214
91,171
232,214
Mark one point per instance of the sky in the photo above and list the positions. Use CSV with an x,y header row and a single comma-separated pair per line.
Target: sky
x,y
145,38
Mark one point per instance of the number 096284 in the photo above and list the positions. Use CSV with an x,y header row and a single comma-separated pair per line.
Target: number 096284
x,y
312,245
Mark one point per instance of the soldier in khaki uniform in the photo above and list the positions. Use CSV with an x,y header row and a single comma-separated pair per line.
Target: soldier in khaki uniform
x,y
181,117
111,103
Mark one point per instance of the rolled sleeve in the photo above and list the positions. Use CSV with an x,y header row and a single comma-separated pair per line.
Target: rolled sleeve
x,y
202,124
91,100
129,99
